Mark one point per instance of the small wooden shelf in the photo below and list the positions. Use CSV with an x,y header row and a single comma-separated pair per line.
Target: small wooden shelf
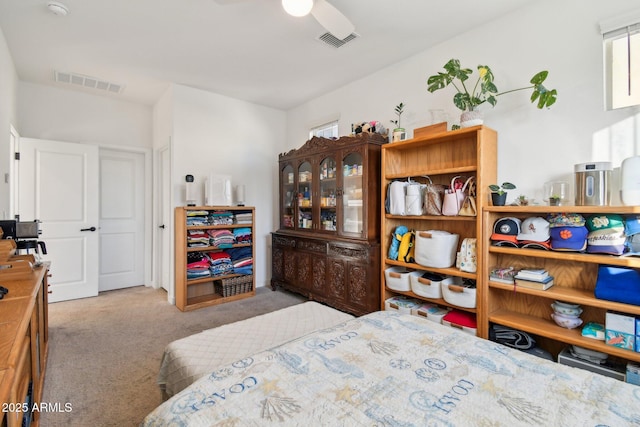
x,y
451,271
192,294
567,256
535,325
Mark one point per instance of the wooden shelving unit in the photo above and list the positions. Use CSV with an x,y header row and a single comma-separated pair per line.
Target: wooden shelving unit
x,y
441,155
192,294
574,282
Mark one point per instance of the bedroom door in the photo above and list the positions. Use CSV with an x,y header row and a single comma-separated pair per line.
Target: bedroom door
x,y
122,209
58,185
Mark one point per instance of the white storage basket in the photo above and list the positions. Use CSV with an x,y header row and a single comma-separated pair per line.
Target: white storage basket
x,y
430,312
398,278
428,284
459,295
436,248
401,304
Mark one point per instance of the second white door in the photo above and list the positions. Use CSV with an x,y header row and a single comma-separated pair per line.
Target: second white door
x,y
121,219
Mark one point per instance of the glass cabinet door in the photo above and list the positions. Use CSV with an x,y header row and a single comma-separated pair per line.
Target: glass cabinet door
x,y
289,198
328,190
352,197
305,202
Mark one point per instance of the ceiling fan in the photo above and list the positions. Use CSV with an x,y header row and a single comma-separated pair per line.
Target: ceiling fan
x,y
324,12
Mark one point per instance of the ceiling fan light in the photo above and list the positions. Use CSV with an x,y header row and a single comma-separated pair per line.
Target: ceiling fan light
x,y
297,7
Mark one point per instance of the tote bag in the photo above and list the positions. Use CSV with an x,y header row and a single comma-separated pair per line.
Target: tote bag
x,y
453,197
468,207
433,197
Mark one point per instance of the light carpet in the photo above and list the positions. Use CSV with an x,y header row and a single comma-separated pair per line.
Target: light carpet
x,y
104,352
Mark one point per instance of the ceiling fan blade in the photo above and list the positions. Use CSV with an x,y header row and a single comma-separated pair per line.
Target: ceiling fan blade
x,y
332,19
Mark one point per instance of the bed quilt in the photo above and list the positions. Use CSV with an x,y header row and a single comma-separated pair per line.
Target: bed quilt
x,y
394,369
190,358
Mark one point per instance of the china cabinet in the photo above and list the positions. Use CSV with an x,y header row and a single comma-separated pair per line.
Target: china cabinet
x,y
327,244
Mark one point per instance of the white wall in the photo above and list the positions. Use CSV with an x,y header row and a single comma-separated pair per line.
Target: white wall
x,y
534,145
215,133
73,116
8,117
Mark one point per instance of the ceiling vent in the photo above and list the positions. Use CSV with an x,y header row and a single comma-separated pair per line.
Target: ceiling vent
x,y
88,82
333,41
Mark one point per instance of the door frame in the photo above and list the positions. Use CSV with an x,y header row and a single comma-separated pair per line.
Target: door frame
x,y
160,204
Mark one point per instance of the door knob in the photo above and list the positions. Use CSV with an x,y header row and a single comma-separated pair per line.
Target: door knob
x,y
161,226
88,229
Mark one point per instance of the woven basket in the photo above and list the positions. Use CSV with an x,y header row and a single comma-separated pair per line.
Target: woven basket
x,y
234,285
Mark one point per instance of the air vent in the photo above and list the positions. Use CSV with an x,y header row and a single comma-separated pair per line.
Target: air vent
x,y
333,41
87,82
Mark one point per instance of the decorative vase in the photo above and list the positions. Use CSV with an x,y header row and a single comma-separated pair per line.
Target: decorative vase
x,y
498,199
471,118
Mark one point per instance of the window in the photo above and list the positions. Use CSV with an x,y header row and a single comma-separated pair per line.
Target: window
x,y
621,44
327,130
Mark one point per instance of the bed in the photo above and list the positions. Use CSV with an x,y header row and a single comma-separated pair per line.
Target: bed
x,y
388,368
190,358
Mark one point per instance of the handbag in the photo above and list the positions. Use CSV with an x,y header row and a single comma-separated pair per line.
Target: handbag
x,y
433,195
469,255
468,207
453,197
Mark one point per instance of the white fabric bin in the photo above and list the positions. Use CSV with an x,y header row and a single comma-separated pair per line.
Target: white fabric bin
x,y
398,278
428,284
402,304
436,248
430,312
459,295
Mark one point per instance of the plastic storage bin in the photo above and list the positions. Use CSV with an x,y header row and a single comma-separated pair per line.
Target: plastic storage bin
x,y
459,294
436,248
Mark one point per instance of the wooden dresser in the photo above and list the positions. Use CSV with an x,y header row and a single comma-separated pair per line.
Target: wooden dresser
x,y
23,339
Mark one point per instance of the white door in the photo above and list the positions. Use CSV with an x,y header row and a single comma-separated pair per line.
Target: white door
x,y
58,185
122,175
165,221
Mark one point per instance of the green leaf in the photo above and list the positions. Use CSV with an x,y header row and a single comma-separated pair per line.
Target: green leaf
x,y
494,188
508,186
539,78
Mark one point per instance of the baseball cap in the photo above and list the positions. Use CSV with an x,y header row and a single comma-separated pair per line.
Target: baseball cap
x,y
632,225
606,241
565,220
506,229
505,244
603,222
536,245
633,245
568,238
535,229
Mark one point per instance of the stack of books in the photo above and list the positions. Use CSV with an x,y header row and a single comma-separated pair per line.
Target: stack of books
x,y
503,275
534,278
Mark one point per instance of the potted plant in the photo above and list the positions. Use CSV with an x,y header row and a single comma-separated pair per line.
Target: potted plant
x,y
468,98
398,132
498,193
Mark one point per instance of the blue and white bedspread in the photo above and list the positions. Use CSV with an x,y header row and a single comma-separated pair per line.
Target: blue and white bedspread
x,y
390,369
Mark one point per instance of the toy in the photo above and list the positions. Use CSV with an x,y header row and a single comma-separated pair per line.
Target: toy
x,y
401,230
406,252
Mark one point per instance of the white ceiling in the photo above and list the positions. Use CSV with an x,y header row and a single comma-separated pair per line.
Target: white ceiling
x,y
246,49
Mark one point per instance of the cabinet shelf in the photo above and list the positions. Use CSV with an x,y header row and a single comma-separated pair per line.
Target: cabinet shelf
x,y
217,227
567,256
438,301
547,328
216,248
431,217
420,171
210,279
570,295
451,271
